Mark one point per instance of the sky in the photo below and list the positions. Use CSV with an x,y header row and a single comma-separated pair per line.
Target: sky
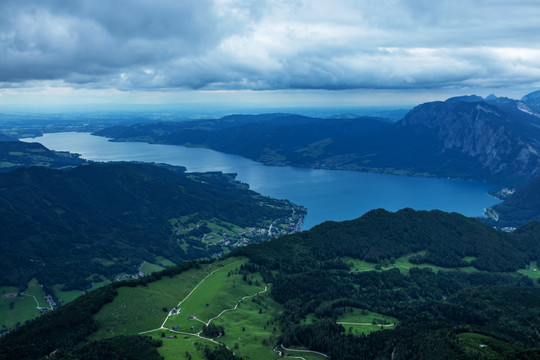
x,y
265,53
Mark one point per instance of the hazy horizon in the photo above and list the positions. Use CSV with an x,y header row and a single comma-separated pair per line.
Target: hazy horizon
x,y
239,54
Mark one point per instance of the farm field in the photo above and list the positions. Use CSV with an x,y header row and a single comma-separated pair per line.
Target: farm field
x,y
531,271
402,264
177,309
18,309
131,313
358,321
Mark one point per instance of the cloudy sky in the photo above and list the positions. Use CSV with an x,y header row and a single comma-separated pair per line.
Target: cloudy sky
x,y
265,52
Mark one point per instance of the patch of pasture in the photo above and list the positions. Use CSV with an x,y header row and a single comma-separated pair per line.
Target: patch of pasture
x,y
531,271
66,296
16,309
482,346
402,264
139,309
148,268
250,330
183,347
358,321
220,291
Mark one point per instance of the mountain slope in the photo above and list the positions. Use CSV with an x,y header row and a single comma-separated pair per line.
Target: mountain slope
x,y
62,227
15,154
318,300
496,140
520,207
273,139
495,146
445,240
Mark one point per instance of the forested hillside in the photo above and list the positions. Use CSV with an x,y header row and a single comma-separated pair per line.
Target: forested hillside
x,y
15,154
521,206
495,140
62,227
432,285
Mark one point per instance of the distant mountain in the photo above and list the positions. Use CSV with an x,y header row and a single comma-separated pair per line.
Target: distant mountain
x,y
62,227
273,139
495,140
472,140
15,154
532,101
465,98
521,206
4,137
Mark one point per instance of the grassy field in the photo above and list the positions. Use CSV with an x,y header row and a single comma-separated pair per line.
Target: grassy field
x,y
296,352
357,321
250,330
531,271
66,296
218,293
403,264
19,309
183,345
70,295
148,268
131,313
482,346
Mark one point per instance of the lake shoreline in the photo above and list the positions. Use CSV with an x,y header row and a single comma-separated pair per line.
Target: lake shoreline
x,y
327,194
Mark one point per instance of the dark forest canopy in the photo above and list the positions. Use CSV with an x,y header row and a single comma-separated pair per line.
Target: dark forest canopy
x,y
444,238
441,314
520,207
64,226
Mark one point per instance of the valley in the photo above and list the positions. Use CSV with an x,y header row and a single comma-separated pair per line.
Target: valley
x,y
291,293
265,180
248,283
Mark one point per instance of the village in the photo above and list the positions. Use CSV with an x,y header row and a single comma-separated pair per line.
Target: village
x,y
219,239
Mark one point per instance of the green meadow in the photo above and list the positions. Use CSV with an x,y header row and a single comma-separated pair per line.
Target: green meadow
x,y
20,308
218,293
131,313
358,321
483,346
402,264
183,347
250,330
531,271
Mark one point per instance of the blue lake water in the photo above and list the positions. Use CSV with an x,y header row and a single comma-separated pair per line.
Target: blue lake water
x,y
327,194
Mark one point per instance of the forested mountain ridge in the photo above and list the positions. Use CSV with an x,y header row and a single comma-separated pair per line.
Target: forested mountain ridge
x,y
439,238
62,227
519,207
439,313
476,137
15,154
273,139
495,140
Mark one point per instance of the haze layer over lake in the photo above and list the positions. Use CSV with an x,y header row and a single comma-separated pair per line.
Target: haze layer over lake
x,y
327,194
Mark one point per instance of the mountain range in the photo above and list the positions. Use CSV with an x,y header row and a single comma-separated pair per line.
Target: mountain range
x,y
97,221
404,285
15,154
495,140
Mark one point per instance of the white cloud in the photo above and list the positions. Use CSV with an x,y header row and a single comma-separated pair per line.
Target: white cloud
x,y
270,44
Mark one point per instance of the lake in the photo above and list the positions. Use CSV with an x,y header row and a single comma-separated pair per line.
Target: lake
x,y
327,194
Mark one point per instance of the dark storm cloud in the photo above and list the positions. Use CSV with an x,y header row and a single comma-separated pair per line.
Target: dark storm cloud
x,y
55,40
242,44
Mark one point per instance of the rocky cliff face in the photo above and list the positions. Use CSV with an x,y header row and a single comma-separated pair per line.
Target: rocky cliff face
x,y
502,146
532,101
